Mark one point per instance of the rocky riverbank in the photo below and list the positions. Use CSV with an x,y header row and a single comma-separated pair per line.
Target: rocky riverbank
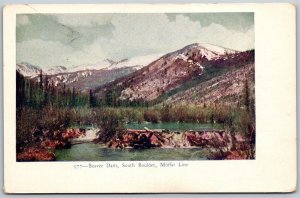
x,y
223,145
159,138
46,142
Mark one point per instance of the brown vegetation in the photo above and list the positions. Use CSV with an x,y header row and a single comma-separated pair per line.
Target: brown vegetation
x,y
35,154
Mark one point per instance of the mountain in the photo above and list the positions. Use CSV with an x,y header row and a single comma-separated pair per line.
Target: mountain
x,y
136,62
32,71
109,64
85,80
197,73
80,78
55,70
86,77
28,70
173,70
228,88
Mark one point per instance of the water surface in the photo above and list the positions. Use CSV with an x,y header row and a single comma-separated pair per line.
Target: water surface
x,y
89,151
174,126
96,152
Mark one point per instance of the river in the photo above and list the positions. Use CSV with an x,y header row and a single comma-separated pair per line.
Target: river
x,y
174,126
96,152
89,151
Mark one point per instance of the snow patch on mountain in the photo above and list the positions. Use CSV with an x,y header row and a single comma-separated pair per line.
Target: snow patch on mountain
x,y
28,70
136,62
109,64
209,51
99,65
55,70
217,49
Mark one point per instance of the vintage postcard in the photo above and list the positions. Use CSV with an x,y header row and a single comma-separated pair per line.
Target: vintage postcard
x,y
149,98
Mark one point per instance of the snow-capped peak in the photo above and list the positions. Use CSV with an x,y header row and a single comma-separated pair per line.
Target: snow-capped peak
x,y
136,62
109,64
28,70
97,66
55,70
217,49
209,51
204,49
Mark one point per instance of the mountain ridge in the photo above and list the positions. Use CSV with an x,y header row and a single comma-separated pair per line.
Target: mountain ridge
x,y
86,76
172,70
162,78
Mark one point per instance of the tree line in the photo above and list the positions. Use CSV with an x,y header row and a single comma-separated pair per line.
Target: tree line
x,y
39,93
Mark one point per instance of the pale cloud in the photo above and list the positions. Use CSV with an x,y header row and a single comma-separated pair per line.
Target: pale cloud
x,y
83,20
218,35
40,52
143,32
53,53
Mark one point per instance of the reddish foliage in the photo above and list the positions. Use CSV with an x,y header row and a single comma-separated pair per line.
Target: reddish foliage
x,y
207,138
137,138
35,154
53,144
41,152
72,133
63,141
236,155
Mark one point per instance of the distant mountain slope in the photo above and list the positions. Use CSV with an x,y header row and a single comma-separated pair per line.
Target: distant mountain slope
x,y
32,71
86,77
89,79
109,64
171,71
55,70
28,70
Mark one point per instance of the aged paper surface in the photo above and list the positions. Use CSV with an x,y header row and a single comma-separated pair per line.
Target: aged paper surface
x,y
272,170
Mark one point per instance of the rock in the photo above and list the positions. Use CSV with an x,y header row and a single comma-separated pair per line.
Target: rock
x,y
73,133
153,138
137,139
87,136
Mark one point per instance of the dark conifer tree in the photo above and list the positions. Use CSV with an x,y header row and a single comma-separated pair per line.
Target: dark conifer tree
x,y
92,99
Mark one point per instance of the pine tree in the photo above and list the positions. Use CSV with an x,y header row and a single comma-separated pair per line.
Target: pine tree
x,y
20,90
92,100
73,100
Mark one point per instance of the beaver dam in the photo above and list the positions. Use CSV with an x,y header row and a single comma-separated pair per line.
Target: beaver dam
x,y
76,144
159,144
143,139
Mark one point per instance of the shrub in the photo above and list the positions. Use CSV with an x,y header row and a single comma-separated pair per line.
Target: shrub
x,y
152,115
133,114
24,127
165,113
111,124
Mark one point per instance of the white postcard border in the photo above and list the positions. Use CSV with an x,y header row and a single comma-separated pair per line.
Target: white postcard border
x,y
273,170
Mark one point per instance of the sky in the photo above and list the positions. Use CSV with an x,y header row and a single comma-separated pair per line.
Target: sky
x,y
69,40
